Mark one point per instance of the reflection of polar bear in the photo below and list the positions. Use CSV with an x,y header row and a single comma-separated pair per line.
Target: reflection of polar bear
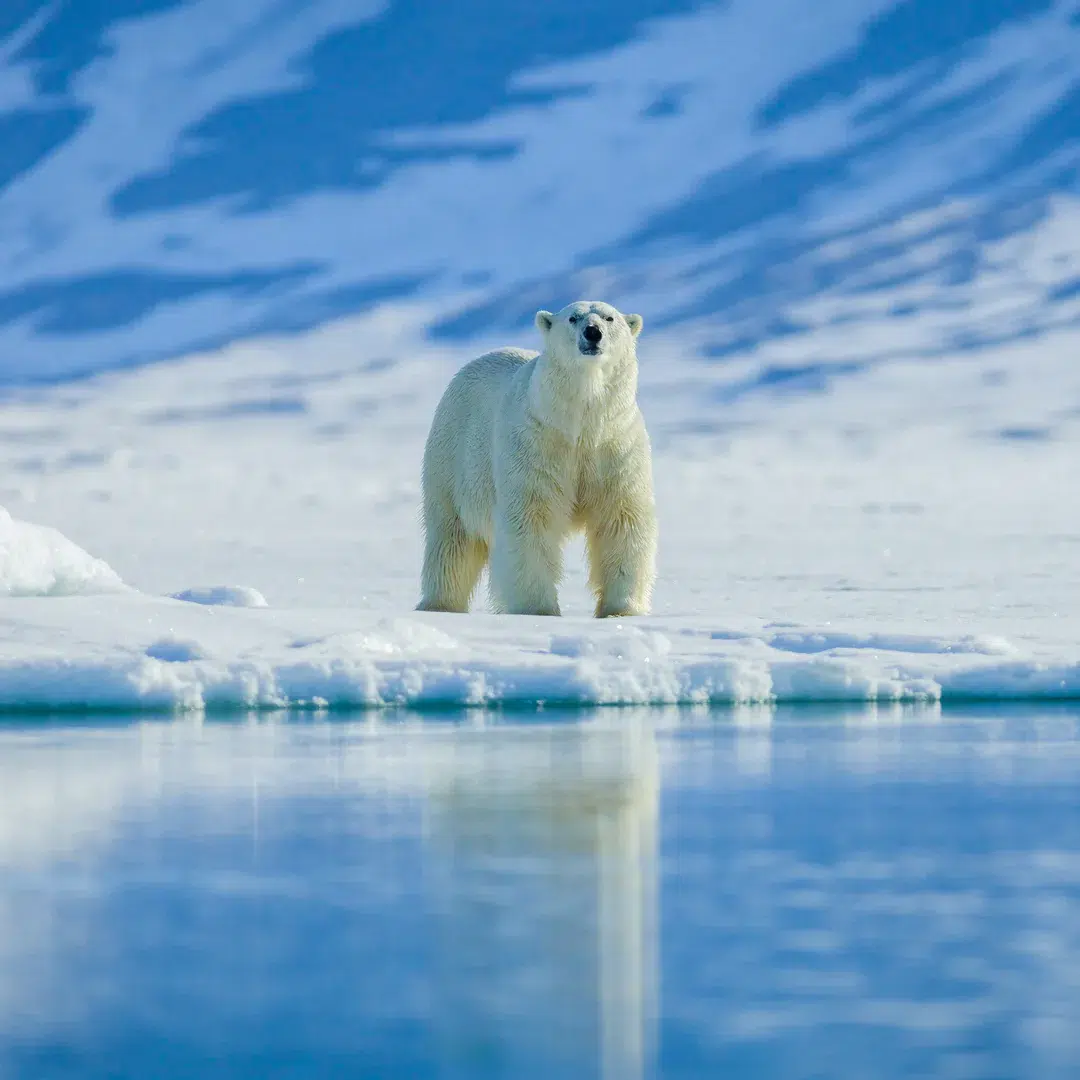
x,y
525,449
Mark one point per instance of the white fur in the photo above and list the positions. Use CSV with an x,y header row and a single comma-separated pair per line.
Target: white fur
x,y
527,448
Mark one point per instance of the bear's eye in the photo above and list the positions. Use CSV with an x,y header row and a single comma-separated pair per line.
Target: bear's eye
x,y
574,318
610,318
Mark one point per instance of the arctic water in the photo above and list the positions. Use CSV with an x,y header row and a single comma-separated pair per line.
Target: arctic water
x,y
887,891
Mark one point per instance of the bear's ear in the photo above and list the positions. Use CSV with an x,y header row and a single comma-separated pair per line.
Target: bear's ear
x,y
635,323
544,321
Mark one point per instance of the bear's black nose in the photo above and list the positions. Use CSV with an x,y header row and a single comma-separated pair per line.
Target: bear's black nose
x,y
592,334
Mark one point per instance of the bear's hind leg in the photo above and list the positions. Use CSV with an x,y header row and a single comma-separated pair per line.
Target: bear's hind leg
x,y
453,562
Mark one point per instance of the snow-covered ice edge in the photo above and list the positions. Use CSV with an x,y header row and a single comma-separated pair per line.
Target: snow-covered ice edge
x,y
130,653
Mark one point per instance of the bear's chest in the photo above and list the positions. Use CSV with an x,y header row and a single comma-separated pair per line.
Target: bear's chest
x,y
575,474
568,453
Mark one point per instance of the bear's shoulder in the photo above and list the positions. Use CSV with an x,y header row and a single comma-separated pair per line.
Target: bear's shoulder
x,y
498,360
509,355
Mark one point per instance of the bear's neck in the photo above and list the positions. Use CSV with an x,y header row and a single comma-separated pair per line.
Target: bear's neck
x,y
576,398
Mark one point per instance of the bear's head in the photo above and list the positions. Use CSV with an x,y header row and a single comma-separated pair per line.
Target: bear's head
x,y
589,329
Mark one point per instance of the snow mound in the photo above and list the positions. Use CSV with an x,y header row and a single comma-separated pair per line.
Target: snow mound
x,y
174,650
36,560
223,596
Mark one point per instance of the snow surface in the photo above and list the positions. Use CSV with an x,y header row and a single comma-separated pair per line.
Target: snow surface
x,y
853,238
908,533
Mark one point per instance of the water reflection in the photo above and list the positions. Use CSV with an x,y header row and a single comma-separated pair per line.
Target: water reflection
x,y
763,893
545,844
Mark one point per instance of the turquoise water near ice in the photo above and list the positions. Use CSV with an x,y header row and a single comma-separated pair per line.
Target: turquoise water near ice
x,y
624,893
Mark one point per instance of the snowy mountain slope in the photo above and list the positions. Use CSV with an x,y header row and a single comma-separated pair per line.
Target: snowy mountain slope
x,y
175,174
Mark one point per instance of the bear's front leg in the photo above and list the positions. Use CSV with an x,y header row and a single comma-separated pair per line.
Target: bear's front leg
x,y
622,558
525,568
620,524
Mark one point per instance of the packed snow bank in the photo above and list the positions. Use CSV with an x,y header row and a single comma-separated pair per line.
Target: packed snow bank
x,y
38,561
134,652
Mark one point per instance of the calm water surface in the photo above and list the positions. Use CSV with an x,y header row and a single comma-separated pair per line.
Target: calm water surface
x,y
620,894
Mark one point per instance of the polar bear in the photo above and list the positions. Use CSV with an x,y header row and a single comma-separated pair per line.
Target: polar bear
x,y
526,448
